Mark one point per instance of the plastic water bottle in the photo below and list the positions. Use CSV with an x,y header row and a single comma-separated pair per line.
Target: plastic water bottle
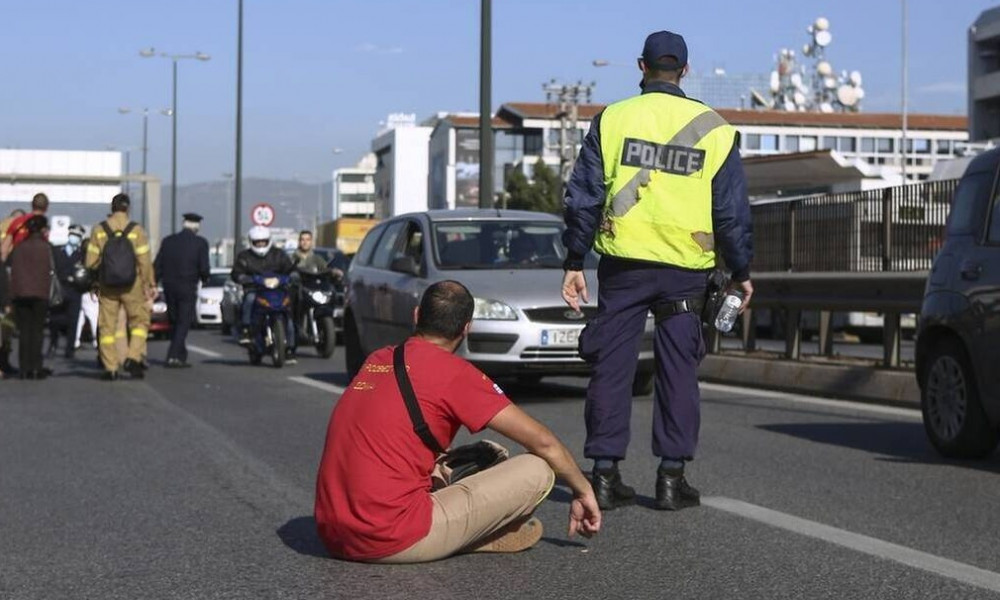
x,y
730,308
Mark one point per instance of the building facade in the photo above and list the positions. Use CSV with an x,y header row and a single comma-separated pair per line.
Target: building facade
x,y
984,76
401,158
354,189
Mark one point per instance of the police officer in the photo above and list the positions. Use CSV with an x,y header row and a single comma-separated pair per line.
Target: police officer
x,y
133,297
180,264
659,184
75,280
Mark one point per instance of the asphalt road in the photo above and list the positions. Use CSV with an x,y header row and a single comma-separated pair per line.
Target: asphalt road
x,y
199,484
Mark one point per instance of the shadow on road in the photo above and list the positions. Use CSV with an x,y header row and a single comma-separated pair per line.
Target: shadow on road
x,y
527,393
897,442
300,535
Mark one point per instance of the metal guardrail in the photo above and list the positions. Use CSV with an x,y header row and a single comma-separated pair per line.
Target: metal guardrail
x,y
891,294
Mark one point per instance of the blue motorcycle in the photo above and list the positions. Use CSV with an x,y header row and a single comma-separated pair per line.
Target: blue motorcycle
x,y
269,316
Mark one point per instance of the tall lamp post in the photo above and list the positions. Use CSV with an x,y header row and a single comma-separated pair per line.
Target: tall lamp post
x,y
174,58
124,110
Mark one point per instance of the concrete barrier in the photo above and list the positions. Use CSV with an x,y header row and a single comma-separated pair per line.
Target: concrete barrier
x,y
855,382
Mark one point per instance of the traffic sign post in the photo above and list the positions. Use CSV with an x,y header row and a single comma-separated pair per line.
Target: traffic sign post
x,y
262,214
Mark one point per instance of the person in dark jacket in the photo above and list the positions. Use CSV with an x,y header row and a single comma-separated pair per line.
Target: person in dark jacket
x,y
30,264
180,264
75,281
259,259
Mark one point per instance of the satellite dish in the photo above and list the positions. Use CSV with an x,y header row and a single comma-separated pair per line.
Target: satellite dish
x,y
826,107
807,49
821,24
789,106
855,78
847,95
796,79
824,68
800,98
775,82
757,98
823,38
829,83
859,92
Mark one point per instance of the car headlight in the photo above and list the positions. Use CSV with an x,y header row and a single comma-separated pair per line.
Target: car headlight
x,y
320,297
209,301
493,310
159,307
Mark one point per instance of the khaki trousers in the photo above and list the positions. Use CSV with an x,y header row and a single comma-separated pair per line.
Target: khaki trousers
x,y
474,508
137,314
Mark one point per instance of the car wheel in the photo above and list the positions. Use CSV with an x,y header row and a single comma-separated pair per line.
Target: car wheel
x,y
642,385
354,356
949,399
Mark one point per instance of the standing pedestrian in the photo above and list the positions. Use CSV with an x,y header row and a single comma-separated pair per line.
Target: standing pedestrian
x,y
180,264
15,231
75,281
30,281
660,185
119,250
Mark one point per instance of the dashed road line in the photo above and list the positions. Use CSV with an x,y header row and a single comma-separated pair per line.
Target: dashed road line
x,y
931,563
894,411
326,387
204,351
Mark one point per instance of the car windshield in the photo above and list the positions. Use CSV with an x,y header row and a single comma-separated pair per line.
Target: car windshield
x,y
499,245
217,280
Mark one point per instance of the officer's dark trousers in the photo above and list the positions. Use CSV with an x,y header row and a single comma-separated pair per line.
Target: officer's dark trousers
x,y
63,319
181,303
628,291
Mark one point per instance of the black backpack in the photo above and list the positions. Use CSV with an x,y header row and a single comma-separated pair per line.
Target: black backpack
x,y
118,258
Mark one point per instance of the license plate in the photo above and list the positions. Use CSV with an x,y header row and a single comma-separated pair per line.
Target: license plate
x,y
560,337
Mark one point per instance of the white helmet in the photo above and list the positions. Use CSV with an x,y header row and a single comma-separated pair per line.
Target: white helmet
x,y
258,234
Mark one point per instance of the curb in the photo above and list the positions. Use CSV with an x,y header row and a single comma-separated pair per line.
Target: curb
x,y
867,384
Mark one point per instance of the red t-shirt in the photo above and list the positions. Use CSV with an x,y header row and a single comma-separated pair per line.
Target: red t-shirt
x,y
373,490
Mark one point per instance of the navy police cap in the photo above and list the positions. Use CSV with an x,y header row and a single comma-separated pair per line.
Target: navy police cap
x,y
665,50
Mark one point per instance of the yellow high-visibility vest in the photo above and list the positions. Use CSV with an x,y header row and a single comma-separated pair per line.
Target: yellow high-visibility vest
x,y
660,155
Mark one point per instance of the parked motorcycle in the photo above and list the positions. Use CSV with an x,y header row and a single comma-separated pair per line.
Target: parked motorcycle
x,y
317,298
268,319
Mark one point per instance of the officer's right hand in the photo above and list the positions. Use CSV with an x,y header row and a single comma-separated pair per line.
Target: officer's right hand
x,y
747,288
574,287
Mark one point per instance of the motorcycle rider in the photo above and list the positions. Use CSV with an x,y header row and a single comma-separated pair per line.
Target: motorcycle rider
x,y
261,258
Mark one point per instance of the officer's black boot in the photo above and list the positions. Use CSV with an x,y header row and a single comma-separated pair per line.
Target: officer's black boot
x,y
673,492
611,492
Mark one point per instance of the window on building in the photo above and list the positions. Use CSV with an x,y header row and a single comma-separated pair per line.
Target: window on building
x,y
807,143
769,142
943,146
533,141
828,143
847,144
918,146
791,143
751,141
868,144
884,145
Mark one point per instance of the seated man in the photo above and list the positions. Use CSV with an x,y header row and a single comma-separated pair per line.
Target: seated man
x,y
374,501
261,258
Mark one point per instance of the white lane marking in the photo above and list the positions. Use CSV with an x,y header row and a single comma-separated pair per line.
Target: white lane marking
x,y
326,387
204,351
895,411
951,569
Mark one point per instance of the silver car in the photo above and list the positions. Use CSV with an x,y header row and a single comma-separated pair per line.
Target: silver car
x,y
511,261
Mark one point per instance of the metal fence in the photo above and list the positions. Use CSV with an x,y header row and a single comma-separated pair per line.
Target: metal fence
x,y
891,229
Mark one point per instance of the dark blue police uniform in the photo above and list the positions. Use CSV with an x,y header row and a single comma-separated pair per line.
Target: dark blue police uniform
x,y
180,264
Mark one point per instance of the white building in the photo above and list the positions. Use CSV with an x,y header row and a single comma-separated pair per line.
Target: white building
x,y
354,189
62,175
401,166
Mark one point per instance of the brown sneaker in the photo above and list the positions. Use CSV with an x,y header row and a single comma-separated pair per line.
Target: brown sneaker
x,y
518,536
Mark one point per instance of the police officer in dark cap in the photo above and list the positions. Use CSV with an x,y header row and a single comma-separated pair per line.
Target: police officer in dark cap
x,y
181,262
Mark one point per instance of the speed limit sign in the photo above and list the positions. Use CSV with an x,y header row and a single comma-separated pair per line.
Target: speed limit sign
x,y
262,214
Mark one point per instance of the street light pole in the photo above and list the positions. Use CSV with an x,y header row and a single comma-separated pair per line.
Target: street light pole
x,y
485,106
147,53
238,171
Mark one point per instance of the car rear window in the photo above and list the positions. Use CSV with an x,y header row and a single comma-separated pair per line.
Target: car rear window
x,y
499,244
970,198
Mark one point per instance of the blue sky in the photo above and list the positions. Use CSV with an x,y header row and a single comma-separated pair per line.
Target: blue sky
x,y
321,74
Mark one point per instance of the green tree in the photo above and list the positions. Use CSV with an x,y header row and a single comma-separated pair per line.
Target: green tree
x,y
543,193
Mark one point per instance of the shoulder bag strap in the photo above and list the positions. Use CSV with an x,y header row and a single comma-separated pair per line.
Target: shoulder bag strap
x,y
410,398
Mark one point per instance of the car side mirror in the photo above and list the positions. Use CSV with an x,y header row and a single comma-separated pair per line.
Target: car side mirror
x,y
405,264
